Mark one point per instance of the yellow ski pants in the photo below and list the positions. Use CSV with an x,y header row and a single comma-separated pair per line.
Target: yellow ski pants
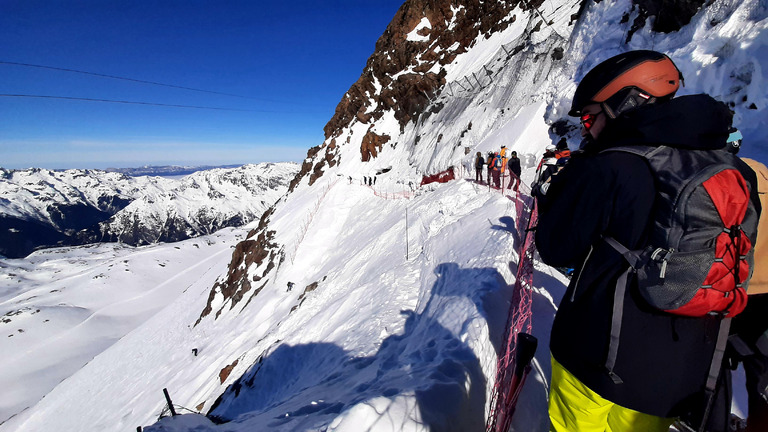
x,y
573,407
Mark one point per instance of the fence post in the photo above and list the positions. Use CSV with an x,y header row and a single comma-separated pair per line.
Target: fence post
x,y
478,81
170,404
406,232
472,86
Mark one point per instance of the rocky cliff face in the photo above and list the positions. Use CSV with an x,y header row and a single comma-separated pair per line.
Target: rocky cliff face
x,y
405,72
262,255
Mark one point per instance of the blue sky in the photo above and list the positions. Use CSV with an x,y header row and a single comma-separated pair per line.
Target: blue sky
x,y
287,63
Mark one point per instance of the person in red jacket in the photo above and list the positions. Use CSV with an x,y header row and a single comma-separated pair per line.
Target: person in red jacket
x,y
495,166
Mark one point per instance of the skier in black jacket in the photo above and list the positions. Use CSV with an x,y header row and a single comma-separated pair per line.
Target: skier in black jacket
x,y
514,170
479,164
663,359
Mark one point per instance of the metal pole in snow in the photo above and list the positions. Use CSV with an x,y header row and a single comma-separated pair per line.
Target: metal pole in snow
x,y
170,404
406,233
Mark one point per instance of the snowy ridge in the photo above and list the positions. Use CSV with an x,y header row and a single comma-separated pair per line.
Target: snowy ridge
x,y
85,206
393,322
28,193
200,203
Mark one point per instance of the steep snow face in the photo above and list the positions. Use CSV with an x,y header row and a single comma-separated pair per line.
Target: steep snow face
x,y
379,319
83,206
497,71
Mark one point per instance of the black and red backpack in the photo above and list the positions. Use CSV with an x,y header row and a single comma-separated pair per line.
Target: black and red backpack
x,y
699,257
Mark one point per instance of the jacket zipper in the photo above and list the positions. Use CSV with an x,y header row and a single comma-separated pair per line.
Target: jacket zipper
x,y
576,285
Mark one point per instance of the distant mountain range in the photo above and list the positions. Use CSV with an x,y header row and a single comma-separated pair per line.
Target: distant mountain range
x,y
165,170
43,208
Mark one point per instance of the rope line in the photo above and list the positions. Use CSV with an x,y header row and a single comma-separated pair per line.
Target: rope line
x,y
123,78
133,102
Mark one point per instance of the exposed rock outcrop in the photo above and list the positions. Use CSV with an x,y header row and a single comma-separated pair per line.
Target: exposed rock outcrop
x,y
406,62
224,373
372,144
252,260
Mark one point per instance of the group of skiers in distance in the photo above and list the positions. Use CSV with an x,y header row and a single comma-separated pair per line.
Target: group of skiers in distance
x,y
496,165
659,218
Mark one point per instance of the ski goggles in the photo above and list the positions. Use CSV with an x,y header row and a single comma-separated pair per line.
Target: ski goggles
x,y
588,120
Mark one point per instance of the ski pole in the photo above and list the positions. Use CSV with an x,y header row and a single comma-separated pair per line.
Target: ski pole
x,y
525,349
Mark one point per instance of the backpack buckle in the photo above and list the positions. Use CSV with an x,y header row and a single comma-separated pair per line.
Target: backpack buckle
x,y
662,255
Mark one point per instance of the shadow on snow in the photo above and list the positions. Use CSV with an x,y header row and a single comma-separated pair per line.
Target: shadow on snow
x,y
306,387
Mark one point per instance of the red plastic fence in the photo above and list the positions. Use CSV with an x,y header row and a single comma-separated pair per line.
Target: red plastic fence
x,y
441,177
518,320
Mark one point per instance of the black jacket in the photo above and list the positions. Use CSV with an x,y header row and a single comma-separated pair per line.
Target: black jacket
x,y
479,162
663,359
514,166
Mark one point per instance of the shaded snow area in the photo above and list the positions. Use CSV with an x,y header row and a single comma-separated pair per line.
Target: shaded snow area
x,y
370,308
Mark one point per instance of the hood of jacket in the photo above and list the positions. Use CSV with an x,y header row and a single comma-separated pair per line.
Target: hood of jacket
x,y
688,122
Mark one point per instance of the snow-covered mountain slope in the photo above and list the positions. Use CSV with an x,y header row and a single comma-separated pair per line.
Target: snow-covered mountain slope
x,y
398,305
41,208
530,61
201,203
364,328
61,307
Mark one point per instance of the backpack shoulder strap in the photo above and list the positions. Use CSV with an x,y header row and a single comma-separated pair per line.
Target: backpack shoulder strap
x,y
641,150
633,257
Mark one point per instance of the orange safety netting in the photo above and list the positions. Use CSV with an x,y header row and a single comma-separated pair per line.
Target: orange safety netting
x,y
507,386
